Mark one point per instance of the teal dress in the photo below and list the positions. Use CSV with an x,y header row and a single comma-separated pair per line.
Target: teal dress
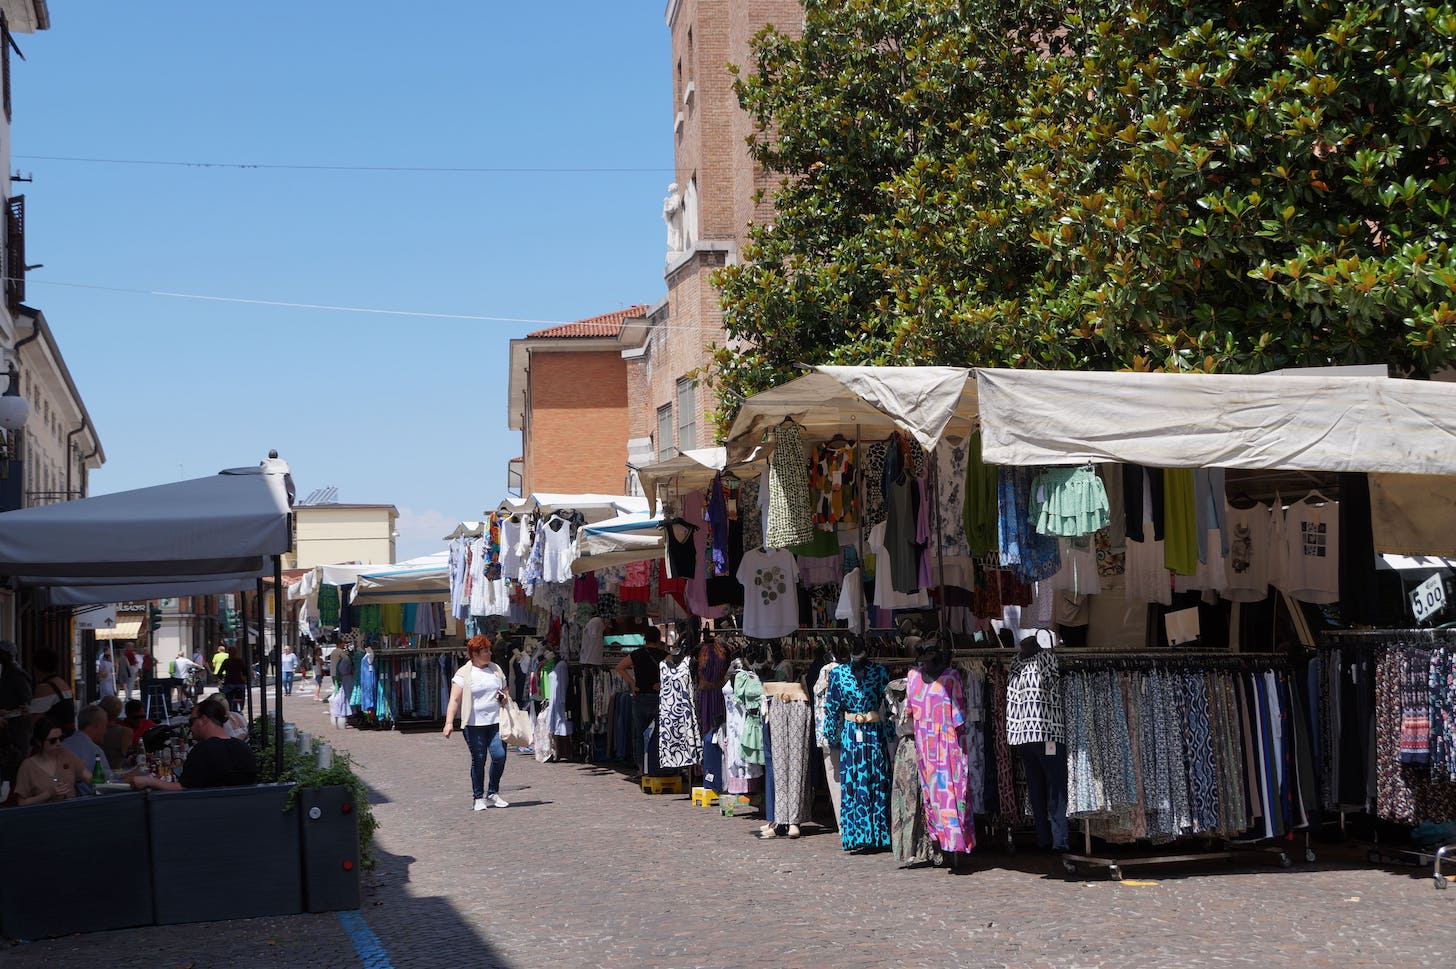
x,y
864,761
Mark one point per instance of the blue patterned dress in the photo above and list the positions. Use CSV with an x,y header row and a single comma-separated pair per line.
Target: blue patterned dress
x,y
864,762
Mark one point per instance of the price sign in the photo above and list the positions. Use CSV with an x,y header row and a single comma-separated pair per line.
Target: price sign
x,y
1428,598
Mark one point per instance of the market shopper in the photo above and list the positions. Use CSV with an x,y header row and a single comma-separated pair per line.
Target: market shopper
x,y
51,772
105,676
234,674
219,658
218,760
476,693
642,671
289,667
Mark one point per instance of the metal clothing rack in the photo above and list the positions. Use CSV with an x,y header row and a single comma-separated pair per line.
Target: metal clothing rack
x,y
1395,639
1152,659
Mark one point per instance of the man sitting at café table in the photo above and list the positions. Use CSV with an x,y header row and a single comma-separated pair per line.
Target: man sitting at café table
x,y
85,743
218,760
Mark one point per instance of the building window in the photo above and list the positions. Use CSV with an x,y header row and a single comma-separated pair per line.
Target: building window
x,y
665,448
687,414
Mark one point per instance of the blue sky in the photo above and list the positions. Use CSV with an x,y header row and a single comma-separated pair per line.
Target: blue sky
x,y
400,409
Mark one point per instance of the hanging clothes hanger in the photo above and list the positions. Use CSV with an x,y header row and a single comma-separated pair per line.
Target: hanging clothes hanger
x,y
1315,497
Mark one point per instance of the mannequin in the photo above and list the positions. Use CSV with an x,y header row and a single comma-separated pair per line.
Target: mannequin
x,y
854,722
1036,731
830,752
935,698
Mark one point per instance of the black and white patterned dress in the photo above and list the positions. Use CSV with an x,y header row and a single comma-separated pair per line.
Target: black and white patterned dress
x,y
679,744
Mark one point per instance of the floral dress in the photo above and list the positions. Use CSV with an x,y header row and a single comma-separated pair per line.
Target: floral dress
x,y
939,709
864,762
909,836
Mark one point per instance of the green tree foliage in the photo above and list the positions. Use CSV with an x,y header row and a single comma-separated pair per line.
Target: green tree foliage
x,y
1172,185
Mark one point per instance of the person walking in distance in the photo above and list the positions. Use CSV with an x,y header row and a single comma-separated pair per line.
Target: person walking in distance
x,y
476,693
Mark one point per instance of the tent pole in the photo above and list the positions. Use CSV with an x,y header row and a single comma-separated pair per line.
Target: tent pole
x,y
278,657
247,662
262,687
942,611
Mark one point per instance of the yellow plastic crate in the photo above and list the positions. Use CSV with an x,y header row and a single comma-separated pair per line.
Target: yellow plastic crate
x,y
662,785
704,797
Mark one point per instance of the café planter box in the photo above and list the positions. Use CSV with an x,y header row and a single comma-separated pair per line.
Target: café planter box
x,y
185,856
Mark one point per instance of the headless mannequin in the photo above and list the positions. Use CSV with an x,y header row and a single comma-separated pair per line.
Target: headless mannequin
x,y
932,661
1047,762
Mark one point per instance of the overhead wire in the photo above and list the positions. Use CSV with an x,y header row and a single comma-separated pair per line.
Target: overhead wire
x,y
373,169
332,307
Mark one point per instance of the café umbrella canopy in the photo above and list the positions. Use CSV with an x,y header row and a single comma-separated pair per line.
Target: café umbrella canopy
x,y
228,525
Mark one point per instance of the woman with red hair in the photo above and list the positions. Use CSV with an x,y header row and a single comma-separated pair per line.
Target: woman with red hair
x,y
476,693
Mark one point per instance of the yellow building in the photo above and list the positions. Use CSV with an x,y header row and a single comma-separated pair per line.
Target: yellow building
x,y
334,533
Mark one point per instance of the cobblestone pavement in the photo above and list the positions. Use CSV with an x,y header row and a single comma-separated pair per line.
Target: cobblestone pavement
x,y
584,871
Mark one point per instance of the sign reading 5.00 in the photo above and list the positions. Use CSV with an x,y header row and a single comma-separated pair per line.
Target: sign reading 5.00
x,y
1428,598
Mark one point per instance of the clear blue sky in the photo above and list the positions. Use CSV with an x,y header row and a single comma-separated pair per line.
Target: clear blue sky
x,y
400,409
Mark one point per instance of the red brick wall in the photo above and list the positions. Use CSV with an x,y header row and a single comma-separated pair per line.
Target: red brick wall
x,y
577,419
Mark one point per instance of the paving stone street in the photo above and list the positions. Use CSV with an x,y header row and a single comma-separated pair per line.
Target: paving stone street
x,y
584,871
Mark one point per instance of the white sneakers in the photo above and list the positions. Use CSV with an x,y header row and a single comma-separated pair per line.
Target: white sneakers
x,y
490,801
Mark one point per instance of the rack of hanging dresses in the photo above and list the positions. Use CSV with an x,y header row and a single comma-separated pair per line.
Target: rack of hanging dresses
x,y
416,683
1387,716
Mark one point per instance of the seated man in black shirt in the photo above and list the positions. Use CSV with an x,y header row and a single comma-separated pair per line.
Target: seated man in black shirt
x,y
218,760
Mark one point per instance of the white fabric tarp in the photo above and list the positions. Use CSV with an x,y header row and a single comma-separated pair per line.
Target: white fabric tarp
x,y
690,471
425,579
924,402
230,523
618,541
308,584
594,508
1296,423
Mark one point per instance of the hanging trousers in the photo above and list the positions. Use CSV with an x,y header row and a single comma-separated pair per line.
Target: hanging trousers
x,y
1046,784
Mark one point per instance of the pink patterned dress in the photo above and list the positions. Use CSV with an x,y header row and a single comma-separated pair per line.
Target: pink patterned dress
x,y
939,709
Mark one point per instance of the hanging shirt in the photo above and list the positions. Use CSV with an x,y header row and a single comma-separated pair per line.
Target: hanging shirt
x,y
1033,703
1251,550
771,593
1312,551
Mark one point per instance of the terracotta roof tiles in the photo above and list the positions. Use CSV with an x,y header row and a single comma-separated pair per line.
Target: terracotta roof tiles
x,y
608,324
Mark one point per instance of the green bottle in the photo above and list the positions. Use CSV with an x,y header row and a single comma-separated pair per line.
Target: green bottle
x,y
98,775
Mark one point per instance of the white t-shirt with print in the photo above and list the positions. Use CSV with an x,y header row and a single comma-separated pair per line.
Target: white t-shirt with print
x,y
1250,565
1312,551
770,593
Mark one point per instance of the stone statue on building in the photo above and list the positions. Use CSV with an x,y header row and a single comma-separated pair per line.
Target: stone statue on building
x,y
672,214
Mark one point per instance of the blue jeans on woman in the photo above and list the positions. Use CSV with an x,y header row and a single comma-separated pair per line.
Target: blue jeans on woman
x,y
288,684
481,740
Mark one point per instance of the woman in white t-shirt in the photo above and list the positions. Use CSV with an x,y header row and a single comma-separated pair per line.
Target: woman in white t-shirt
x,y
476,692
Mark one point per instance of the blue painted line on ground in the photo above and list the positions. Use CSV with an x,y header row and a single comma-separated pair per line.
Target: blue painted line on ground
x,y
371,951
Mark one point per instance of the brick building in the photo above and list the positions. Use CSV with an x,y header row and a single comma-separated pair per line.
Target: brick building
x,y
568,396
708,211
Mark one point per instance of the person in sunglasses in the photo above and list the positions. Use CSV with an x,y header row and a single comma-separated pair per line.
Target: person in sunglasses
x,y
218,759
51,772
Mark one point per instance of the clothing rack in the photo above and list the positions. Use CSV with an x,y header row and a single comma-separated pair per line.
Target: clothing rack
x,y
1370,640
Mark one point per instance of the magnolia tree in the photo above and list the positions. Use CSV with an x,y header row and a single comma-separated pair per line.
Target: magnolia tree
x,y
1229,187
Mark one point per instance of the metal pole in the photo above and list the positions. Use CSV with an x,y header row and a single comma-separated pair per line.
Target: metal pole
x,y
278,654
247,661
942,612
263,687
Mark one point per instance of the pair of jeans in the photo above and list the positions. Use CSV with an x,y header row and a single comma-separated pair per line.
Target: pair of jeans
x,y
1046,785
288,684
482,740
644,714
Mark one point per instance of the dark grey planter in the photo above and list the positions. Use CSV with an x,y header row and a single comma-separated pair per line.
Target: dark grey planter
x,y
225,853
55,856
330,849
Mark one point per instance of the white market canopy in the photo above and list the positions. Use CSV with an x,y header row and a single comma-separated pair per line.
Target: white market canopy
x,y
619,541
424,579
924,402
1317,422
227,526
689,471
593,507
308,584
